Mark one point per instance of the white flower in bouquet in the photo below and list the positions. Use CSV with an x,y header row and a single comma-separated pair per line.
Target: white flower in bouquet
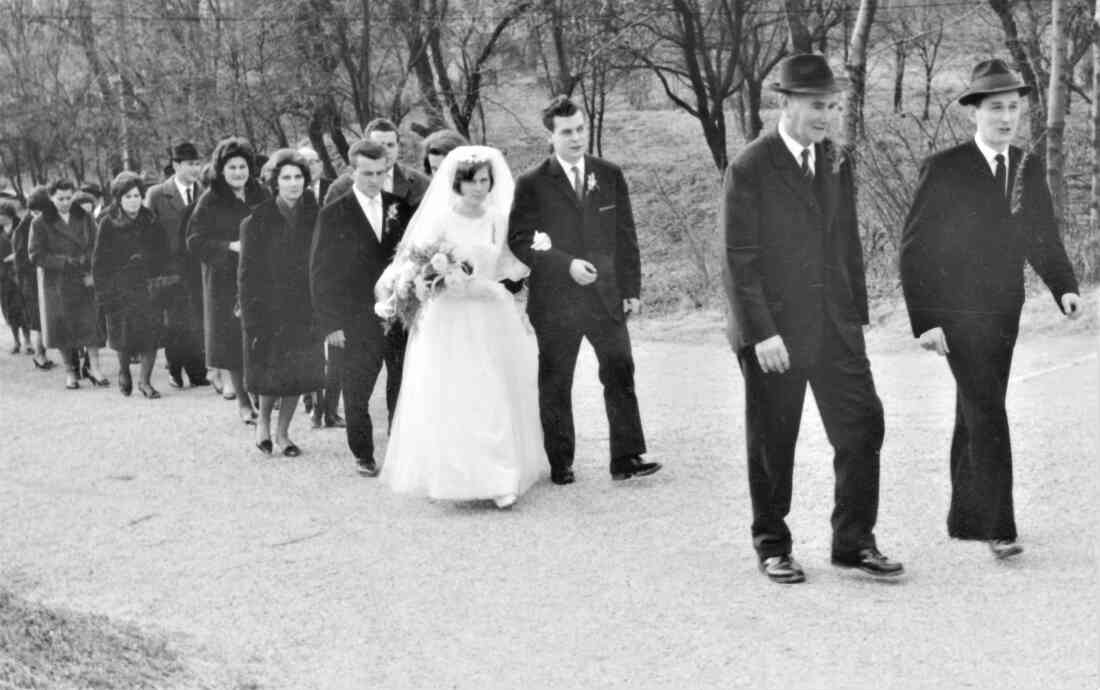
x,y
440,262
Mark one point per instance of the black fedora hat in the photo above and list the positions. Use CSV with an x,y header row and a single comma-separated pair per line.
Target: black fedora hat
x,y
185,152
990,77
807,73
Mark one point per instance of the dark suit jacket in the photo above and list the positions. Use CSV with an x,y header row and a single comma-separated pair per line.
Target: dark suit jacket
x,y
165,202
963,250
599,230
346,260
408,185
793,254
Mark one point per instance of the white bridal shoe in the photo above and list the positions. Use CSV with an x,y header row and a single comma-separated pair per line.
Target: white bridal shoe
x,y
505,501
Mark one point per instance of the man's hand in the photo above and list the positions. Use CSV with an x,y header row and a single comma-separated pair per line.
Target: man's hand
x,y
632,305
335,339
934,339
1071,304
773,356
235,246
582,272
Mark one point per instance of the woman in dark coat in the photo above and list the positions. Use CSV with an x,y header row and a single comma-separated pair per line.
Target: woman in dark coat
x,y
11,297
60,243
213,236
282,349
127,265
26,275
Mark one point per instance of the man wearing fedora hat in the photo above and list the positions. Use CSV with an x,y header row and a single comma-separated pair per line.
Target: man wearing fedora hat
x,y
172,201
798,303
981,209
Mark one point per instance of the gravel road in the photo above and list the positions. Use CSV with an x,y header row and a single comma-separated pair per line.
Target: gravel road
x,y
297,573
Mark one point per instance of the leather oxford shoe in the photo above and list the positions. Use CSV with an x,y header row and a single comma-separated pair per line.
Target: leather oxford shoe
x,y
870,561
1005,548
367,468
782,569
632,466
562,476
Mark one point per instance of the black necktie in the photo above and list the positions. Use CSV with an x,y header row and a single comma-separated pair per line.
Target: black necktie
x,y
807,171
187,197
1001,174
578,186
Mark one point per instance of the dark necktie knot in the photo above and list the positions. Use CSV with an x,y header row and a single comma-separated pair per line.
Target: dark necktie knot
x,y
807,171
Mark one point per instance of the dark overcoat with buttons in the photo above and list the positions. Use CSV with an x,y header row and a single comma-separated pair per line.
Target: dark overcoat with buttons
x,y
793,254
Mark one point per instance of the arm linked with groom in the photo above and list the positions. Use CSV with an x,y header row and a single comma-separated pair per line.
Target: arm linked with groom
x,y
583,285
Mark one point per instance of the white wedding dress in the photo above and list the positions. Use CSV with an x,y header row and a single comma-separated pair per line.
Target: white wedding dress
x,y
467,420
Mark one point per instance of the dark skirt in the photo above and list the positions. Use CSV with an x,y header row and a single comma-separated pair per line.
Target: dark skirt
x,y
287,363
134,328
11,303
28,285
221,319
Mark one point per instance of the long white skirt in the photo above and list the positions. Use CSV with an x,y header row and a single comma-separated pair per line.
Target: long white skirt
x,y
467,420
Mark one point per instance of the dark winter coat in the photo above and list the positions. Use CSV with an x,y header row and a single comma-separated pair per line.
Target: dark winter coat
x,y
64,253
215,222
11,298
183,302
129,253
26,275
283,354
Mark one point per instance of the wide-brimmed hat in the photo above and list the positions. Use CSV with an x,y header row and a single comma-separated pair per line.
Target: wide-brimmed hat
x,y
807,74
990,77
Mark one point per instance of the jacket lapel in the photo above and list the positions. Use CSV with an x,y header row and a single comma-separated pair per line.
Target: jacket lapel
x,y
789,170
69,230
358,218
826,177
561,182
980,167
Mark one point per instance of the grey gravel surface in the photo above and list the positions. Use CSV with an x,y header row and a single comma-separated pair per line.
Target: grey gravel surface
x,y
297,573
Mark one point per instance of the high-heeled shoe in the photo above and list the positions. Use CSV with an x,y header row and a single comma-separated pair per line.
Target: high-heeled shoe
x,y
45,365
99,382
72,384
247,416
505,501
125,385
264,446
289,450
148,391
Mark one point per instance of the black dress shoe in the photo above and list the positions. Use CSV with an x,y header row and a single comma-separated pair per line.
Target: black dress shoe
x,y
289,450
782,569
367,468
265,446
199,381
1005,548
632,466
175,380
870,561
562,476
335,420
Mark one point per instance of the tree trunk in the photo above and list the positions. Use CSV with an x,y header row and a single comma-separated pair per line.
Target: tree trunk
x,y
1056,111
900,53
857,70
1037,112
801,42
753,92
1094,207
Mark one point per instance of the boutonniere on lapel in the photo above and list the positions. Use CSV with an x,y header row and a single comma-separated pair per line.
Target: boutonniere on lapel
x,y
1016,194
590,183
541,242
834,155
391,217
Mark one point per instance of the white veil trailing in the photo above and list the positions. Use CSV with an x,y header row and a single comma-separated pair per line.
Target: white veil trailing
x,y
437,206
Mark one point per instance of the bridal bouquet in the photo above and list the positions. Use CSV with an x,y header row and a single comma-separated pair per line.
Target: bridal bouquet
x,y
417,274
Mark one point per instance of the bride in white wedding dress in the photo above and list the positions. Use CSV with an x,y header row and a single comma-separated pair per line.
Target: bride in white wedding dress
x,y
467,421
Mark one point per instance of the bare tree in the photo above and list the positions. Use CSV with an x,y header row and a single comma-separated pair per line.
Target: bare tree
x,y
1094,205
1056,111
857,69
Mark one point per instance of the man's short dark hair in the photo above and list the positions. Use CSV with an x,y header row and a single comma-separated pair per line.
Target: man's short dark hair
x,y
58,185
559,106
92,189
380,124
368,149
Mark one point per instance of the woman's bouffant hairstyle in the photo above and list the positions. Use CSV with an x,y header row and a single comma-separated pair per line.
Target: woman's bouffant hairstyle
x,y
441,143
466,170
124,182
39,199
228,148
279,160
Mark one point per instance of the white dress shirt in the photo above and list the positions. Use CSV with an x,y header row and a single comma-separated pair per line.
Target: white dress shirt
x,y
568,168
990,155
372,208
796,149
387,184
183,190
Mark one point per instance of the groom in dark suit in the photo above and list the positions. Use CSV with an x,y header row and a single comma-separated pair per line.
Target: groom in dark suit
x,y
798,303
572,224
354,242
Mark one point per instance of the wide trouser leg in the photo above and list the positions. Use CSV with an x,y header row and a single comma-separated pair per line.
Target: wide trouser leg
x,y
362,362
852,414
773,414
394,356
559,343
980,357
333,365
611,342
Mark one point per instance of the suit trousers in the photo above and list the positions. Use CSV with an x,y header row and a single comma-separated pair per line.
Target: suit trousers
x,y
363,358
334,364
853,418
559,341
980,357
183,352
